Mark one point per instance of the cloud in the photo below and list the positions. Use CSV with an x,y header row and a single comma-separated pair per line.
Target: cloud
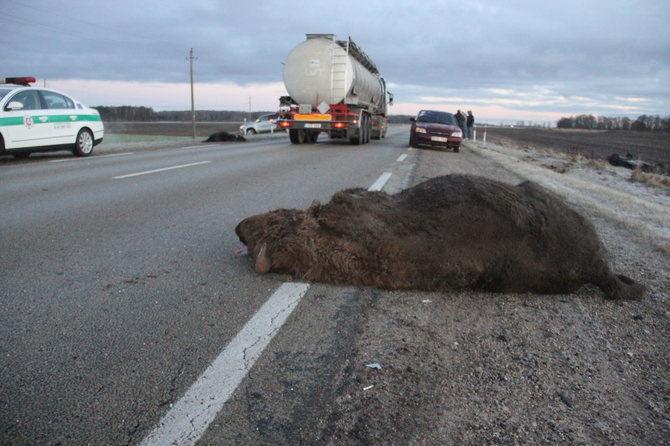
x,y
561,57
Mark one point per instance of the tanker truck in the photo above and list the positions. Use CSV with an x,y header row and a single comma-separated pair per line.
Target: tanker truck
x,y
333,87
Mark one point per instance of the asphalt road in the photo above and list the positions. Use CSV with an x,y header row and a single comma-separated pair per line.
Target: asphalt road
x,y
120,286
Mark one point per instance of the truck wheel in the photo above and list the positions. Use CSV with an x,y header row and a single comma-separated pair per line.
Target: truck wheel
x,y
293,136
296,136
83,145
357,139
362,135
365,130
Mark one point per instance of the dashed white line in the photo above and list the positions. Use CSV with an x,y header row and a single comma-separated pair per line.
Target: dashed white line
x,y
146,172
381,181
189,417
401,158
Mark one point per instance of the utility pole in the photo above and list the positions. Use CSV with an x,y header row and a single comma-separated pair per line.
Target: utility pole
x,y
190,59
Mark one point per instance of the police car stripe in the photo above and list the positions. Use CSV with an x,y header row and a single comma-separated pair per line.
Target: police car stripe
x,y
19,120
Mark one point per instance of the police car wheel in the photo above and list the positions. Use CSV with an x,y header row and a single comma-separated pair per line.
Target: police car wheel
x,y
84,144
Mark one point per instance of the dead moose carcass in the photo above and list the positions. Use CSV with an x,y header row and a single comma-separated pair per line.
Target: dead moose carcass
x,y
224,136
448,233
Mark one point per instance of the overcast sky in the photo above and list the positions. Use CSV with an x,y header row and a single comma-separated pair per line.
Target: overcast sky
x,y
505,60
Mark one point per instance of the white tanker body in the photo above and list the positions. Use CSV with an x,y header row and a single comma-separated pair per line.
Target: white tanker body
x,y
335,88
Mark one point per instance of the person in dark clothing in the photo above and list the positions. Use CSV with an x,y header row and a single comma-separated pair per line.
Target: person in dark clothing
x,y
460,118
470,123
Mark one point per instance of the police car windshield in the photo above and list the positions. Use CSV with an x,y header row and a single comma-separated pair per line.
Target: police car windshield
x,y
4,91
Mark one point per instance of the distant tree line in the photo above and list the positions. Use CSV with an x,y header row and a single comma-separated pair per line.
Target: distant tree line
x,y
133,113
126,113
399,119
643,122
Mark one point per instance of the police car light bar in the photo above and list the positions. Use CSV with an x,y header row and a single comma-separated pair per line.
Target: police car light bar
x,y
17,80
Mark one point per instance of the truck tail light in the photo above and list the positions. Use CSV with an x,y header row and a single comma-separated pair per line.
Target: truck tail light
x,y
340,125
284,124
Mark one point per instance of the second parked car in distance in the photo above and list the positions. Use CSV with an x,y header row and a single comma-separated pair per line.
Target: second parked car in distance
x,y
264,123
435,129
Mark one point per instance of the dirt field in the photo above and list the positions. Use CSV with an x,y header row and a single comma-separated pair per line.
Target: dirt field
x,y
652,147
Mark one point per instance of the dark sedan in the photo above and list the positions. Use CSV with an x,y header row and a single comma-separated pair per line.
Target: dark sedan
x,y
435,129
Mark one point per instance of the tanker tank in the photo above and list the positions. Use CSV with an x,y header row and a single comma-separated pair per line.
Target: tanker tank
x,y
320,70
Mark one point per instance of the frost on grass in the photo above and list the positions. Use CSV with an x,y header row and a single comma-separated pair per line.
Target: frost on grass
x,y
593,187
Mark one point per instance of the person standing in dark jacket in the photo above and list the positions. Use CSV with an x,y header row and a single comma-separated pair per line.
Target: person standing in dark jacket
x,y
460,118
470,124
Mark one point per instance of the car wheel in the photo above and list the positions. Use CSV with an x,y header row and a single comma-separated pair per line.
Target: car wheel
x,y
83,146
251,132
412,142
456,149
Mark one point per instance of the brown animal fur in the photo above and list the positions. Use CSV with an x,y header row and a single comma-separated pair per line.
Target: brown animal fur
x,y
448,233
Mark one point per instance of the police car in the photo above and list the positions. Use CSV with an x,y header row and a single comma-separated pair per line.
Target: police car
x,y
37,119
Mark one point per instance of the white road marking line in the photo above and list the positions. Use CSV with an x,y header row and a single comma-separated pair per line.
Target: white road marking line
x,y
381,181
189,417
401,158
88,158
194,147
146,172
192,414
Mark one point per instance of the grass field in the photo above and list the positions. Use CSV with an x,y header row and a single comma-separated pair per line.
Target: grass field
x,y
161,128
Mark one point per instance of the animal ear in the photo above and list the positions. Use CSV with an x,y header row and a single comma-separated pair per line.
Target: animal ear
x,y
314,208
263,262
